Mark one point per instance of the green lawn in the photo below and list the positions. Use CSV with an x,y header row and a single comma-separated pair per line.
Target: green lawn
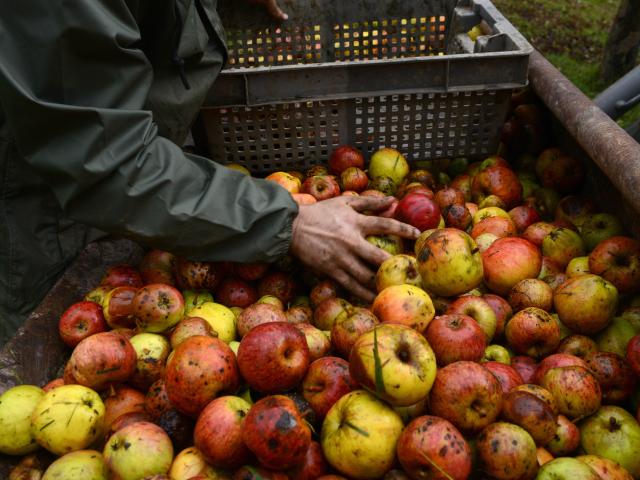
x,y
570,33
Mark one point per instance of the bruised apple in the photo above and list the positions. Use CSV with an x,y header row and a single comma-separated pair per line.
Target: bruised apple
x,y
431,447
200,369
449,262
327,380
405,305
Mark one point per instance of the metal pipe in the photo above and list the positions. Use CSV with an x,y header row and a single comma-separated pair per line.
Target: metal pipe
x,y
621,96
611,148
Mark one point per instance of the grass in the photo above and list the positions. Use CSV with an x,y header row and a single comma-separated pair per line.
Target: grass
x,y
571,34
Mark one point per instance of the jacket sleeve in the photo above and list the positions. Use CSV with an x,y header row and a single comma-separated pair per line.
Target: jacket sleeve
x,y
73,85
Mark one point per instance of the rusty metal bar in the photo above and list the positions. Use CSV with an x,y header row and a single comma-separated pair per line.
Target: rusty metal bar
x,y
611,148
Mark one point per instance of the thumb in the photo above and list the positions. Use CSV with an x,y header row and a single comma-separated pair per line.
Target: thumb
x,y
275,11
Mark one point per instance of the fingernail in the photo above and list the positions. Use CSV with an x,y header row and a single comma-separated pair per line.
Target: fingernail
x,y
285,17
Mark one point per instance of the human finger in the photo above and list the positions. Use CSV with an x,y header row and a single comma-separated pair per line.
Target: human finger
x,y
363,202
387,226
359,271
370,253
275,11
348,282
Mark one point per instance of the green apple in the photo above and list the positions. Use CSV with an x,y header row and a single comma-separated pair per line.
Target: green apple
x,y
388,162
389,243
152,351
194,298
68,418
496,353
613,433
221,319
82,464
607,469
271,300
137,451
566,468
395,363
577,266
598,227
615,337
16,406
359,435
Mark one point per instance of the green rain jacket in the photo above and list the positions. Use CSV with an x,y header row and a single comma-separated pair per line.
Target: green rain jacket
x,y
95,97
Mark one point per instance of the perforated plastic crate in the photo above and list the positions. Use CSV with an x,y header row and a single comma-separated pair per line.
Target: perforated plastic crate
x,y
368,73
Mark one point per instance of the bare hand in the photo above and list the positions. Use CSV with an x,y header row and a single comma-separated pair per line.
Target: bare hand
x,y
272,7
329,236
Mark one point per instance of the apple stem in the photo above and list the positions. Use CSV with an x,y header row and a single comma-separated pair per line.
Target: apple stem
x,y
436,466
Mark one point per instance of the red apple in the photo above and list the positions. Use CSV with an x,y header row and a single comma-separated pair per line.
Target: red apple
x,y
431,447
190,327
200,369
313,466
218,432
121,276
157,266
617,259
354,179
121,400
329,311
323,290
347,329
251,271
273,357
257,314
405,305
317,341
577,345
559,171
192,275
500,181
554,361
531,413
274,431
157,307
278,284
101,360
478,309
466,394
233,292
509,260
457,216
118,307
321,187
566,439
456,337
536,232
156,401
418,210
508,377
549,267
326,381
525,366
299,314
79,321
523,216
614,374
575,390
499,226
501,309
633,354
507,451
344,157
531,292
448,196
574,209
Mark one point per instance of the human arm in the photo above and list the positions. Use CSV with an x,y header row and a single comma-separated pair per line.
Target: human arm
x,y
73,86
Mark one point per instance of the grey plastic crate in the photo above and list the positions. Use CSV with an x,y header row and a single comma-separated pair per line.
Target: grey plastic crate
x,y
368,73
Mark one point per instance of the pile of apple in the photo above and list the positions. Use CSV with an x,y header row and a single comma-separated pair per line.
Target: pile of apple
x,y
502,344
